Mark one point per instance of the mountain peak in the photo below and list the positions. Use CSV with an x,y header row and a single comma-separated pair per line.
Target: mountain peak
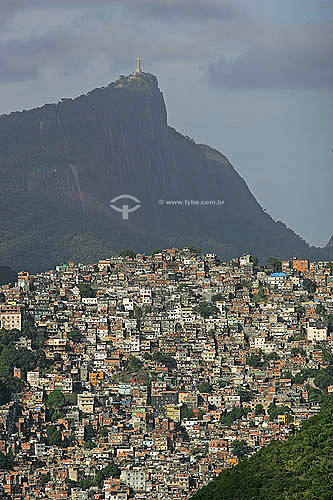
x,y
139,81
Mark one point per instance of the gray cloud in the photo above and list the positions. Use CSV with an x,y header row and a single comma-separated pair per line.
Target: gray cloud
x,y
288,60
271,57
113,37
160,9
180,9
11,8
26,60
72,51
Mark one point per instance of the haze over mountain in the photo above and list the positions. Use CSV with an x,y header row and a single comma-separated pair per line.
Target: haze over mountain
x,y
61,164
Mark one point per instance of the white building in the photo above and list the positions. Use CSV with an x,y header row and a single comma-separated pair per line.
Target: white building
x,y
135,479
316,331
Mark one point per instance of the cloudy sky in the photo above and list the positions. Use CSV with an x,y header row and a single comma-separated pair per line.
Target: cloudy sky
x,y
253,78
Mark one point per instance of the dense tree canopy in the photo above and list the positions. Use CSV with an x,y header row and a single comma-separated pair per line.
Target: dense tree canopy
x,y
206,309
240,449
309,286
205,387
56,399
86,291
228,417
275,263
6,461
127,252
53,435
165,359
74,336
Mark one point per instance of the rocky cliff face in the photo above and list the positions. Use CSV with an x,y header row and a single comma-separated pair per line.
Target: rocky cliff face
x,y
61,164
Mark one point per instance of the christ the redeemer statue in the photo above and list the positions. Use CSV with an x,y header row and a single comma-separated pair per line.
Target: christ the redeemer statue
x,y
138,64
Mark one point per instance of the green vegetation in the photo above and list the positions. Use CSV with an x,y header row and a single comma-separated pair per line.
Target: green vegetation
x,y
228,417
274,411
199,451
165,359
298,350
103,432
155,251
133,364
186,412
23,358
259,409
111,470
45,478
75,336
245,396
89,432
259,296
304,374
255,360
261,360
240,449
57,403
137,312
309,286
320,309
324,377
297,469
53,435
300,310
195,250
55,400
9,386
86,290
329,321
206,309
134,369
254,259
6,461
275,263
216,297
127,252
205,387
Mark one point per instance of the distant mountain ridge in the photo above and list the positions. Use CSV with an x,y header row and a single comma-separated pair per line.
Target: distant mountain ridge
x,y
61,164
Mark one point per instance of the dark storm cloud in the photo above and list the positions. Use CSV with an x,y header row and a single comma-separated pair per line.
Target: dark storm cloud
x,y
302,60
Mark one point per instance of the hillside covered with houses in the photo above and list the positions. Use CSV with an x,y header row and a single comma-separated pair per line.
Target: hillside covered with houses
x,y
145,376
